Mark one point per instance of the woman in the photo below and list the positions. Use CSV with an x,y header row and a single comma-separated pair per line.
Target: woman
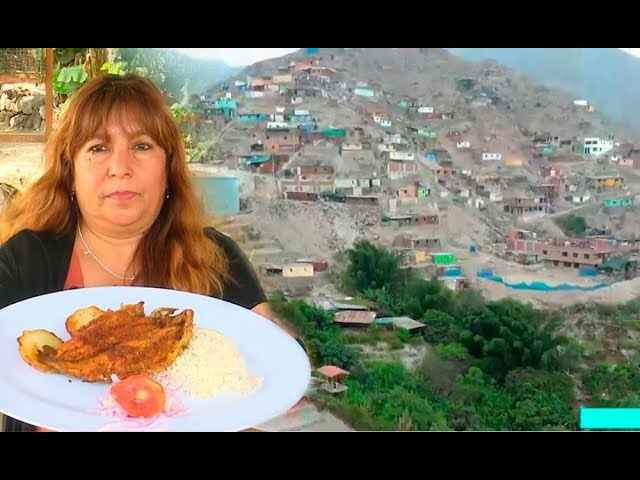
x,y
116,206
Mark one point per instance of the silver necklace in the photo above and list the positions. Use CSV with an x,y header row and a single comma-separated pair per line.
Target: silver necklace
x,y
87,251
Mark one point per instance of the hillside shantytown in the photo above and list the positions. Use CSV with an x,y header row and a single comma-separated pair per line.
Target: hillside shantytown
x,y
446,233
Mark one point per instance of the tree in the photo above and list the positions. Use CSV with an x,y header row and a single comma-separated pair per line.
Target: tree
x,y
541,400
572,224
440,327
477,403
613,385
371,268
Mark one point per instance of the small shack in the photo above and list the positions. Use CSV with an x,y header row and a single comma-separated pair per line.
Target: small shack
x,y
615,266
332,378
403,323
355,318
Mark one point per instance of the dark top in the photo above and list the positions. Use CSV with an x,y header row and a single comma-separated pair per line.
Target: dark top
x,y
33,264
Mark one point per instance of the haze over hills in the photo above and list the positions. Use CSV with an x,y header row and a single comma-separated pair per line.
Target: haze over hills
x,y
203,73
606,77
198,74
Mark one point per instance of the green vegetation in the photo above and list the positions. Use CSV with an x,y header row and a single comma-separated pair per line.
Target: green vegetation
x,y
181,79
496,365
171,71
572,224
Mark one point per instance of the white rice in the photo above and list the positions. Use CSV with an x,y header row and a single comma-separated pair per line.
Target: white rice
x,y
210,365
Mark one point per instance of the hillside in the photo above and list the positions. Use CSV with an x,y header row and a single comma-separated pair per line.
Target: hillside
x,y
519,107
607,77
473,135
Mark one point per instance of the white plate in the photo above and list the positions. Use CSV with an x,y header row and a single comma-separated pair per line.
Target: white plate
x,y
51,401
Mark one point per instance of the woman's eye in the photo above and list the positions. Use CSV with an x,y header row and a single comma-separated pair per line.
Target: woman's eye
x,y
97,148
143,146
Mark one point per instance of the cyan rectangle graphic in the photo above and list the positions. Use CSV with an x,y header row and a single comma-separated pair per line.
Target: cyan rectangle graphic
x,y
609,418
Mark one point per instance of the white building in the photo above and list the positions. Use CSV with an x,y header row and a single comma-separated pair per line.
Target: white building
x,y
491,156
597,146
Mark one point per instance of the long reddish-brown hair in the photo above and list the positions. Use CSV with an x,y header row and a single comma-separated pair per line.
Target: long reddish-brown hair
x,y
175,253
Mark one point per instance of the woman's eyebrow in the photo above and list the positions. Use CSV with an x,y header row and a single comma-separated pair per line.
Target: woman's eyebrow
x,y
100,137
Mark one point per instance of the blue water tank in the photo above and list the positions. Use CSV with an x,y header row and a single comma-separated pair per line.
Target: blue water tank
x,y
221,194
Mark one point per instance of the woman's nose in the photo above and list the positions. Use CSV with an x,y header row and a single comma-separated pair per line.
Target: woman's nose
x,y
121,161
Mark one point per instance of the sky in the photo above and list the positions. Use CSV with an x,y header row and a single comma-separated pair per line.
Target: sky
x,y
237,57
240,57
633,51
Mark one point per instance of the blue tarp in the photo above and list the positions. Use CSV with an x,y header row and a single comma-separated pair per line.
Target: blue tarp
x,y
539,286
452,271
588,271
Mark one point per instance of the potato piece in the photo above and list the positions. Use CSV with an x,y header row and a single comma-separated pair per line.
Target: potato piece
x,y
80,318
33,343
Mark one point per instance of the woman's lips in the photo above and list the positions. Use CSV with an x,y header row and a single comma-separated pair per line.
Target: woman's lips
x,y
122,195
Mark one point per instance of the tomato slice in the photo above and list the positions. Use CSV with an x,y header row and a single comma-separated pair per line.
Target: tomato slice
x,y
140,396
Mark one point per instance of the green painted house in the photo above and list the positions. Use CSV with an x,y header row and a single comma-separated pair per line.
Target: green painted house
x,y
443,258
365,92
578,147
425,132
618,202
256,160
547,150
334,132
226,107
423,190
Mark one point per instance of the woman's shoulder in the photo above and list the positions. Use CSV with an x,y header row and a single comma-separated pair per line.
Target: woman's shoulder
x,y
31,250
214,233
32,263
27,239
244,287
230,247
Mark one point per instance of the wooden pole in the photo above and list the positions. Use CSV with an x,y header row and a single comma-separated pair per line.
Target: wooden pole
x,y
48,83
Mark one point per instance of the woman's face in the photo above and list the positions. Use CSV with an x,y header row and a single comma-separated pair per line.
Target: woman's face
x,y
120,179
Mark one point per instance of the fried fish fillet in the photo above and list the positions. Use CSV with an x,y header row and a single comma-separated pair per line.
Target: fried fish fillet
x,y
123,342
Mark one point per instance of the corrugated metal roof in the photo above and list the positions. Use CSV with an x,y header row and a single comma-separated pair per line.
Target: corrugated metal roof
x,y
384,321
353,316
332,305
348,306
331,371
401,322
